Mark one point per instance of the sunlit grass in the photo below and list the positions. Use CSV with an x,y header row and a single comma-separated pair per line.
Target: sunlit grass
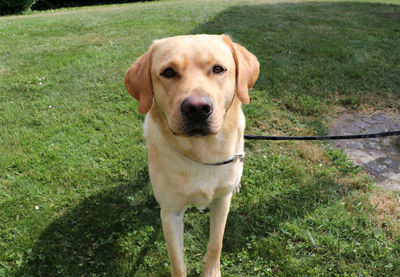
x,y
75,198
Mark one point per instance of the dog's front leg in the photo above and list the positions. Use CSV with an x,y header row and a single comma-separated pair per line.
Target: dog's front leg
x,y
172,223
219,214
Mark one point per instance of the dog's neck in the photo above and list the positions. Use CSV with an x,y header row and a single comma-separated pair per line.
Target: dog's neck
x,y
217,148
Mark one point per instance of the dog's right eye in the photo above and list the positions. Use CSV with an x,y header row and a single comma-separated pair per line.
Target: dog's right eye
x,y
217,69
169,73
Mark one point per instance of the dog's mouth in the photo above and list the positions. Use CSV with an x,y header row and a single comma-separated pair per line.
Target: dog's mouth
x,y
198,132
193,131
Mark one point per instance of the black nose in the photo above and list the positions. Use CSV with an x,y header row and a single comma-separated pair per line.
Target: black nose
x,y
197,108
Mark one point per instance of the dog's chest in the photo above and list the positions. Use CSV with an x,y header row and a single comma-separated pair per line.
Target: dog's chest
x,y
193,185
212,183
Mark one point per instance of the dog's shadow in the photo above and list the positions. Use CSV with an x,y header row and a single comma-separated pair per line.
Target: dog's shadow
x,y
85,241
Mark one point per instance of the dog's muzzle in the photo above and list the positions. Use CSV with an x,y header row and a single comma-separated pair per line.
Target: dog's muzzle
x,y
196,111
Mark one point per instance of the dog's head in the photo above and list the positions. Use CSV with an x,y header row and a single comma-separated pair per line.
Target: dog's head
x,y
192,81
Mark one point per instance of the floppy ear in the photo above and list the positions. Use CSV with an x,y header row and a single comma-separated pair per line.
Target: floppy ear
x,y
138,81
247,69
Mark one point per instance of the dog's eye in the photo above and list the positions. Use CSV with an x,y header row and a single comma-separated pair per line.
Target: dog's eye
x,y
169,73
217,69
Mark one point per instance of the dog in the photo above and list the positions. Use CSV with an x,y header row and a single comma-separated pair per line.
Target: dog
x,y
192,88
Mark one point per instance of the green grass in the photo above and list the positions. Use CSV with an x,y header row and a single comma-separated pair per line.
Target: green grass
x,y
75,198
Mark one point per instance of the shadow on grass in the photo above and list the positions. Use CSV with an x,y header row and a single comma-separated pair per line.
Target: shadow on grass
x,y
85,241
304,48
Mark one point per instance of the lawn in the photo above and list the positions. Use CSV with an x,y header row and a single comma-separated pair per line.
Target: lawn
x,y
75,198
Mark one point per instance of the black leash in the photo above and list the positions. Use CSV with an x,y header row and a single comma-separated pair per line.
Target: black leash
x,y
240,157
361,136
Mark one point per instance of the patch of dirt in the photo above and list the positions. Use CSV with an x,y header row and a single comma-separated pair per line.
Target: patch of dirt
x,y
386,209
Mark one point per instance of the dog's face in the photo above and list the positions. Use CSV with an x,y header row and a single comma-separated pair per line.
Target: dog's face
x,y
192,81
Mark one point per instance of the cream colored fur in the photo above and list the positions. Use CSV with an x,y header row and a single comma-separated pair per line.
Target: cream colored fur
x,y
178,176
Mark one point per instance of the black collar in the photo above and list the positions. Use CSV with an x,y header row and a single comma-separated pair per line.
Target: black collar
x,y
236,157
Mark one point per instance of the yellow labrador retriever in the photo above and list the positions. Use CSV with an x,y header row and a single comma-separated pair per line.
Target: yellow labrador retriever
x,y
191,88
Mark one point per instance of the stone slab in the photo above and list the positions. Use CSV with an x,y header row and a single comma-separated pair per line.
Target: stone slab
x,y
379,157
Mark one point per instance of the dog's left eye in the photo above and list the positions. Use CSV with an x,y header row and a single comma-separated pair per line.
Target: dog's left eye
x,y
217,69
